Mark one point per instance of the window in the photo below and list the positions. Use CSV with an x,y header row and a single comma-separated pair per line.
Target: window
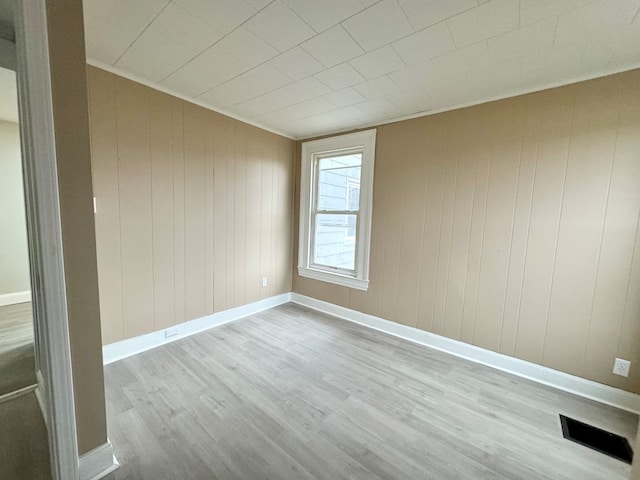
x,y
335,209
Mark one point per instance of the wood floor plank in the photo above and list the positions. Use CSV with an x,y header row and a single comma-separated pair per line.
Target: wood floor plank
x,y
290,393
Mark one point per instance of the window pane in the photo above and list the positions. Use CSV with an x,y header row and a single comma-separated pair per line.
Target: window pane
x,y
339,182
334,241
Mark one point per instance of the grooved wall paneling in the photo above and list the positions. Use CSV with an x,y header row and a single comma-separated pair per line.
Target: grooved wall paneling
x,y
513,225
193,208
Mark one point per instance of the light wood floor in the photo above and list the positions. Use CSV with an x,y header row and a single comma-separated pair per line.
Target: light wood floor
x,y
294,394
17,359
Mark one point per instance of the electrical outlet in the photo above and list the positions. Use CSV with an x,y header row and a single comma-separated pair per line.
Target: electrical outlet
x,y
621,367
264,282
171,332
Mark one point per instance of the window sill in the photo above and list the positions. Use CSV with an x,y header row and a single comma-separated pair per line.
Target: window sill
x,y
345,281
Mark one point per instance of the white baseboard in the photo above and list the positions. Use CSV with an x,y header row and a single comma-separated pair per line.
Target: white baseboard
x,y
126,348
13,298
97,463
7,397
562,381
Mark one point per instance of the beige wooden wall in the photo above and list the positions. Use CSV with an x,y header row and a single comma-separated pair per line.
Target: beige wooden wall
x,y
513,226
193,208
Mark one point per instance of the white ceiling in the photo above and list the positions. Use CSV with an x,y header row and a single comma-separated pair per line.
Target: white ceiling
x,y
8,95
307,67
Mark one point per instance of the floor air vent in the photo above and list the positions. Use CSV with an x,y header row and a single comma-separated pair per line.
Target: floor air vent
x,y
597,439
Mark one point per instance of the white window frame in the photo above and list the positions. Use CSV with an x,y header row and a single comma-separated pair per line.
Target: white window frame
x,y
360,142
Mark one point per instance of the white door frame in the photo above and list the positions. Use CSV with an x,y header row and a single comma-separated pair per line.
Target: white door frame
x,y
45,236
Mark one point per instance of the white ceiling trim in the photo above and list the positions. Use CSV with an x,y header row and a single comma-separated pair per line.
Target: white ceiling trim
x,y
186,98
426,113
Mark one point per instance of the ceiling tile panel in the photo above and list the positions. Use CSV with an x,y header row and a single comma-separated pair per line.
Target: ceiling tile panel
x,y
170,41
282,97
299,110
444,93
378,108
223,15
415,75
378,87
411,101
339,77
245,47
296,64
259,4
253,83
154,56
279,27
549,66
423,13
306,127
485,21
622,60
379,62
620,44
463,60
305,89
597,56
600,21
345,97
183,27
332,47
256,106
349,113
378,25
532,11
503,75
113,26
236,53
429,43
530,39
204,73
325,14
